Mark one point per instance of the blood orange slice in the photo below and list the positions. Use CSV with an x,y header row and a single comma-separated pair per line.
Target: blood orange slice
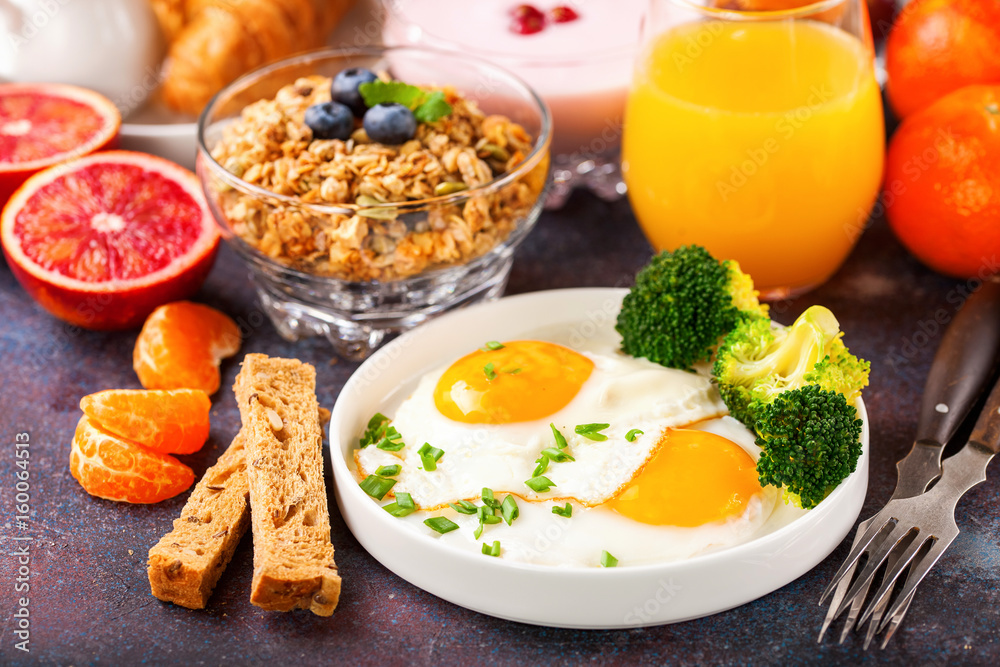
x,y
42,124
103,240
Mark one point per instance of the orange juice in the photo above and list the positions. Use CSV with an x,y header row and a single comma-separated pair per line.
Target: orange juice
x,y
762,141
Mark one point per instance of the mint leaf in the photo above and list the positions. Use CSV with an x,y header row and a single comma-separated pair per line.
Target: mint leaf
x,y
384,92
427,107
433,108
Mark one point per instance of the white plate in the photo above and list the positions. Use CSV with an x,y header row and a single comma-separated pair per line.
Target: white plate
x,y
621,597
155,130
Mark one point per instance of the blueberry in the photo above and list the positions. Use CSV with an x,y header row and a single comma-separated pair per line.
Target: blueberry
x,y
390,123
330,120
344,88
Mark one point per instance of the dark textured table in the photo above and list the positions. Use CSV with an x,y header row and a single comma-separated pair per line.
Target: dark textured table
x,y
89,599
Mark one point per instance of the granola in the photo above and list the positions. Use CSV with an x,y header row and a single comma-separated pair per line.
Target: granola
x,y
270,146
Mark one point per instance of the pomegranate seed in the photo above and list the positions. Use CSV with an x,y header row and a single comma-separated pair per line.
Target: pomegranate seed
x,y
527,11
528,25
564,14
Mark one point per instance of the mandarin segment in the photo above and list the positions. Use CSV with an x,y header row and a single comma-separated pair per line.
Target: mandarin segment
x,y
181,345
114,469
166,421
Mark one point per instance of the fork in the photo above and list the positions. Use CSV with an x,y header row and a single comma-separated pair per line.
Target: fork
x,y
924,520
962,365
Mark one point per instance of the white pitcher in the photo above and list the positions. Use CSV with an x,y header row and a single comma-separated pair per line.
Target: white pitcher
x,y
112,46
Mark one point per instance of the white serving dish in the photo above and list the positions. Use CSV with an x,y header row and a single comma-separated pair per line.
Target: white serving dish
x,y
155,130
622,597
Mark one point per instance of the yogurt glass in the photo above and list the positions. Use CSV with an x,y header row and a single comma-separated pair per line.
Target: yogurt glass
x,y
582,69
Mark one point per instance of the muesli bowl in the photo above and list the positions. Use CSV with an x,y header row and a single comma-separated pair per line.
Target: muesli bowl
x,y
354,240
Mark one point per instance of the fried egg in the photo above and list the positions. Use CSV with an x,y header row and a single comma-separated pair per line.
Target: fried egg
x,y
643,455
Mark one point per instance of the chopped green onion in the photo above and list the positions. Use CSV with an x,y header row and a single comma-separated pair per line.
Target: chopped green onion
x,y
492,550
555,455
607,560
376,486
397,510
430,456
511,371
388,471
489,500
509,509
563,511
375,430
490,372
543,465
633,434
560,438
539,484
441,524
405,500
592,431
391,440
493,345
463,507
486,516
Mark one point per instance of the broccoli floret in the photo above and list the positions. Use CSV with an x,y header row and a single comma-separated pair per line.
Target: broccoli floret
x,y
810,439
840,371
756,363
682,304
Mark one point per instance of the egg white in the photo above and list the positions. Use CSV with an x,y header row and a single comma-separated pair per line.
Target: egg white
x,y
627,393
623,391
541,537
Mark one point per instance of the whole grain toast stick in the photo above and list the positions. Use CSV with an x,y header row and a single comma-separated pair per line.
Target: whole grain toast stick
x,y
293,556
186,563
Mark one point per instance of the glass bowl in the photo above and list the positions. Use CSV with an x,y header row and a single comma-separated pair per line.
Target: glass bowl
x,y
582,69
355,272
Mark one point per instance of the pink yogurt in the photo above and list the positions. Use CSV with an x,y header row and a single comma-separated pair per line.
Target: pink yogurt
x,y
581,68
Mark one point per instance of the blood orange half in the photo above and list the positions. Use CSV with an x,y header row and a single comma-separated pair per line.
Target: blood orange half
x,y
103,240
42,124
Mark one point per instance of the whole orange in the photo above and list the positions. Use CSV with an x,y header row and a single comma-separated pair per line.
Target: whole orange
x,y
942,184
937,46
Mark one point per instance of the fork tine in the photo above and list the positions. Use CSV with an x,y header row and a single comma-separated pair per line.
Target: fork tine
x,y
873,624
892,574
880,605
842,586
860,546
896,620
838,595
852,613
875,560
919,570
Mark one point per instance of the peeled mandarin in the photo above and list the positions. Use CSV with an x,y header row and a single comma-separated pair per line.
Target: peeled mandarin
x,y
181,345
167,421
115,469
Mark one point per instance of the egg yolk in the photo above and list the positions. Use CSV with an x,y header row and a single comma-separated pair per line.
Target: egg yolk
x,y
521,381
694,478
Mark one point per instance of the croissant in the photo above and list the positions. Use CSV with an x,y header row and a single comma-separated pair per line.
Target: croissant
x,y
220,40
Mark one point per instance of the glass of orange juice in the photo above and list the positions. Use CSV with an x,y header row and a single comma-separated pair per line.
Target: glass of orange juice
x,y
755,128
